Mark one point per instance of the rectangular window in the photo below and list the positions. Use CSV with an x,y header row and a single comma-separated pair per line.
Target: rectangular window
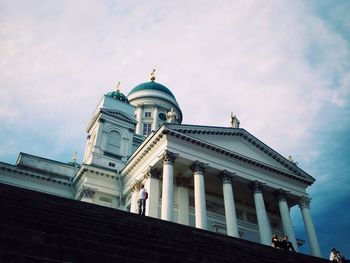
x,y
148,114
147,128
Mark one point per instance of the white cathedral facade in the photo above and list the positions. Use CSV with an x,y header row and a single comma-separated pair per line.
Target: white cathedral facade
x,y
221,179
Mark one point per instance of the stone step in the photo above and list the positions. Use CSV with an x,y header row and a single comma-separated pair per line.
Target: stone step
x,y
37,225
110,246
8,257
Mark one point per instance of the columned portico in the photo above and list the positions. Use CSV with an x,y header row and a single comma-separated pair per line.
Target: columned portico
x,y
285,217
183,199
198,169
230,209
168,159
152,187
304,205
263,222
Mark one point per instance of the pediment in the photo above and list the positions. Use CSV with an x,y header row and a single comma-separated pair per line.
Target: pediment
x,y
241,146
119,115
241,142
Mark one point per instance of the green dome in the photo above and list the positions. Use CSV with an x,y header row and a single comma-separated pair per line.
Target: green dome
x,y
118,96
152,86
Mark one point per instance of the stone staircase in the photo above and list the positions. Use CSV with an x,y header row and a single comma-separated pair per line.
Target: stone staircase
x,y
37,227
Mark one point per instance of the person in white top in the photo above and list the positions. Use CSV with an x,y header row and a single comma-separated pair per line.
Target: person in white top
x,y
142,200
332,255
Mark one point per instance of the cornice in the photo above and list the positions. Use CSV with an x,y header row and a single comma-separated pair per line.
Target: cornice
x,y
111,113
118,115
176,105
96,171
49,178
181,134
146,149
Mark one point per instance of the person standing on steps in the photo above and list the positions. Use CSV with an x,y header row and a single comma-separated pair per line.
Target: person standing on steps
x,y
142,200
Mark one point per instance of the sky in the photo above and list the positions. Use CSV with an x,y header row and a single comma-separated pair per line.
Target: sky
x,y
281,66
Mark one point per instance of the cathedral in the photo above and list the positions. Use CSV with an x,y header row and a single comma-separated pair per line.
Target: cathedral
x,y
220,179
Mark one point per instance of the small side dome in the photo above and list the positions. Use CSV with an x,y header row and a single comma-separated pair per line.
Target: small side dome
x,y
152,85
118,96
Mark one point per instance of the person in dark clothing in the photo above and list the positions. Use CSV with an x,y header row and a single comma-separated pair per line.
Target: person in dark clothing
x,y
276,243
286,244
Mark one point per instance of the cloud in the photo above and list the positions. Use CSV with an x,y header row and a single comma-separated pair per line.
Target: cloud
x,y
275,65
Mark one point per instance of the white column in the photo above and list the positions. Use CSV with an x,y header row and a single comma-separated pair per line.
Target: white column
x,y
304,205
263,222
183,197
230,209
134,198
152,187
199,194
168,186
286,220
139,113
155,118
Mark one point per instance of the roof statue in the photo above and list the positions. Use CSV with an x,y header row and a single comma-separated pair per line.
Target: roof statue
x,y
118,86
234,121
74,157
153,77
291,160
171,116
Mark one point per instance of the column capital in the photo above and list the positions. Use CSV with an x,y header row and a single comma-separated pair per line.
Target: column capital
x,y
226,177
257,186
140,105
169,157
152,173
304,202
281,195
87,192
135,186
197,166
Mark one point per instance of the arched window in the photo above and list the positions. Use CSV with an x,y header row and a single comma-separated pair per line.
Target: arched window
x,y
113,144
